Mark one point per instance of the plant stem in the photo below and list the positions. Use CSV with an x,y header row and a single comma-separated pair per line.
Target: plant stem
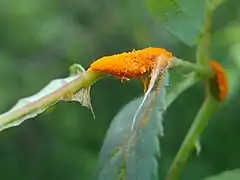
x,y
203,46
201,120
179,88
210,104
87,79
198,72
200,69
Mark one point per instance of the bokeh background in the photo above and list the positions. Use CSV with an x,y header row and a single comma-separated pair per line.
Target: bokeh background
x,y
40,39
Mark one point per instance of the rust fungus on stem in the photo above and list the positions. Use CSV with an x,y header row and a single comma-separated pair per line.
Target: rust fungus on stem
x,y
130,64
221,79
134,64
148,64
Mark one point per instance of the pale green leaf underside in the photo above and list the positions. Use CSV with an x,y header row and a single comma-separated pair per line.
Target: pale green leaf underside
x,y
227,175
182,18
127,156
50,88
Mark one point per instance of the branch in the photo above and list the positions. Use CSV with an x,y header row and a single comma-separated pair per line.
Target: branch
x,y
210,104
32,106
202,55
203,71
200,122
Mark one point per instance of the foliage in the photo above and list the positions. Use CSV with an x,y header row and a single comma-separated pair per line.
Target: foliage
x,y
125,154
233,175
177,17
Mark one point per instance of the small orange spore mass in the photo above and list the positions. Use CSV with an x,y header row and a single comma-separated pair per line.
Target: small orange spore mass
x,y
221,79
132,64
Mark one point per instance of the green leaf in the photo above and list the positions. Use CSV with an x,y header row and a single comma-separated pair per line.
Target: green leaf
x,y
182,18
52,93
127,154
227,175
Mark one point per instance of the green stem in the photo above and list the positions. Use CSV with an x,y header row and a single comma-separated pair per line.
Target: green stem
x,y
188,66
87,79
198,73
208,107
175,90
201,120
203,46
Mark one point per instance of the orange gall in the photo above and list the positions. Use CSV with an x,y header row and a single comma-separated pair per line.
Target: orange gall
x,y
132,64
221,79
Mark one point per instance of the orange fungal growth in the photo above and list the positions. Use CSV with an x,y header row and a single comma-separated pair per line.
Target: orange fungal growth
x,y
221,79
148,64
132,64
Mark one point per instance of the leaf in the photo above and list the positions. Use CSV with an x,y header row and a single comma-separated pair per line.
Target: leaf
x,y
127,154
227,175
182,18
82,96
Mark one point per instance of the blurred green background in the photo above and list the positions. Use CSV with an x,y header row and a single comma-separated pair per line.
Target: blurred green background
x,y
40,39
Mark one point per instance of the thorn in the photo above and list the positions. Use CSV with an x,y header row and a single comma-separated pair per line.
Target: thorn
x,y
198,147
